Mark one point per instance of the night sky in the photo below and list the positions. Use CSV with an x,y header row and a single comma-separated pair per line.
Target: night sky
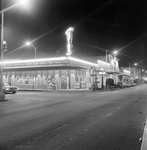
x,y
99,25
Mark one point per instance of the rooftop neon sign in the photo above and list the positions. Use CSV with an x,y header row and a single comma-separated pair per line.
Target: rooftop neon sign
x,y
69,36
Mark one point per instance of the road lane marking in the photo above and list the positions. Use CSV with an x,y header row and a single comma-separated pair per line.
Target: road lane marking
x,y
61,127
72,137
109,114
86,129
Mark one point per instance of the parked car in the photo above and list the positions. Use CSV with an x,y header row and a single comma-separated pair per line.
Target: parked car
x,y
128,84
9,89
121,85
133,84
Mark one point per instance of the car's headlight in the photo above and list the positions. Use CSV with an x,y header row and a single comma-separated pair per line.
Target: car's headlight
x,y
7,88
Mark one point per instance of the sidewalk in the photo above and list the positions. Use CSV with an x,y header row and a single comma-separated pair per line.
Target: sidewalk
x,y
69,90
144,140
75,90
61,90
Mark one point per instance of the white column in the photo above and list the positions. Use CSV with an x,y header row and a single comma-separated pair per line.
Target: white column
x,y
67,82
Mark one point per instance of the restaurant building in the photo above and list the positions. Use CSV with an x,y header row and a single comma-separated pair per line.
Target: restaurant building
x,y
58,73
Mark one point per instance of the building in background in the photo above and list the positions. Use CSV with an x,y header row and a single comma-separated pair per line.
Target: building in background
x,y
125,76
135,74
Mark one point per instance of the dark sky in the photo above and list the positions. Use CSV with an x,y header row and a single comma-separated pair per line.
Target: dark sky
x,y
99,25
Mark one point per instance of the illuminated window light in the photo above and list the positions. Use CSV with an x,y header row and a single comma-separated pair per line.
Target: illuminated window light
x,y
126,71
102,72
82,61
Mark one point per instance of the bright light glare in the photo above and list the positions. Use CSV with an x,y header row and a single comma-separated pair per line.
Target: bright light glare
x,y
24,1
28,43
4,42
115,52
135,64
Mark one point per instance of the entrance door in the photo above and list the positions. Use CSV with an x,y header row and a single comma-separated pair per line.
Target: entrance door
x,y
63,81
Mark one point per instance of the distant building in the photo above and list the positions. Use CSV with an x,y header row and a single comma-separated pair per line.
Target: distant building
x,y
125,76
135,74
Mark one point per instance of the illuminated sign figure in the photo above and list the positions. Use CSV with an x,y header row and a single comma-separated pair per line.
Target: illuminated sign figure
x,y
69,35
113,62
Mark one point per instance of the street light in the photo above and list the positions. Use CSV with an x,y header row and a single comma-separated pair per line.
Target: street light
x,y
135,64
115,53
3,9
135,74
28,44
11,5
24,1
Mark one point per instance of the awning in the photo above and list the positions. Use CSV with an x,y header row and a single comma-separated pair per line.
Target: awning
x,y
123,74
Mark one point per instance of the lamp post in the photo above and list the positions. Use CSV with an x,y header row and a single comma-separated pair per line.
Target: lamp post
x,y
28,43
106,59
142,75
135,78
135,64
2,95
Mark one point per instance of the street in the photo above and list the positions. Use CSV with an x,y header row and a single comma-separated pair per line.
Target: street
x,y
59,120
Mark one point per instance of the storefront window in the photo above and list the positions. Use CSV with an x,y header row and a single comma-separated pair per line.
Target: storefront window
x,y
51,80
19,80
29,80
9,80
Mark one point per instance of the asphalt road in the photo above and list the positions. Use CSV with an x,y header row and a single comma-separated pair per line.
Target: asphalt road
x,y
73,120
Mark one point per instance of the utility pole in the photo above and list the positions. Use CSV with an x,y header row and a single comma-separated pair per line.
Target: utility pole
x,y
2,95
